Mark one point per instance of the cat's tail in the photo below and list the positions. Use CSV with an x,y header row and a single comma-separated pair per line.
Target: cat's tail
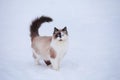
x,y
36,24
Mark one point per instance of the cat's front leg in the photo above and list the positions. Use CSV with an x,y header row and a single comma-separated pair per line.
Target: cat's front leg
x,y
55,63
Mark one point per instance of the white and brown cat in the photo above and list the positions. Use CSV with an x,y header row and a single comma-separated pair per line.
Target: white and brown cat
x,y
51,49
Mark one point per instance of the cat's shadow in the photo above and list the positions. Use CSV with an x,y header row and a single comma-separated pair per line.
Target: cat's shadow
x,y
68,65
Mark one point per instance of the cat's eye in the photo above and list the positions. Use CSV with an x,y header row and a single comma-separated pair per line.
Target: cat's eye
x,y
64,29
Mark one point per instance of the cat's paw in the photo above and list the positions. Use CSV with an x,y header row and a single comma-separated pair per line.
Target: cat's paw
x,y
37,62
56,68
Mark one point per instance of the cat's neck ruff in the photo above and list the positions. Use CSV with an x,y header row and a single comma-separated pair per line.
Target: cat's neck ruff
x,y
60,46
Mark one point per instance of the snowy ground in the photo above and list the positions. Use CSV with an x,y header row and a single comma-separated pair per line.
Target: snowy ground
x,y
94,37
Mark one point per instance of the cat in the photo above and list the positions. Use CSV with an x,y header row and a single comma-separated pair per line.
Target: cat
x,y
51,49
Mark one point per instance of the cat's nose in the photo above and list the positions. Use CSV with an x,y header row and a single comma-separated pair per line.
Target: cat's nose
x,y
60,40
60,36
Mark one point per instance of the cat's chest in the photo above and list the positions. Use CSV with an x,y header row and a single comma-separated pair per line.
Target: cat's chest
x,y
60,47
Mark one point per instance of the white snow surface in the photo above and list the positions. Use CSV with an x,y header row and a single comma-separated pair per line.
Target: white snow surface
x,y
94,39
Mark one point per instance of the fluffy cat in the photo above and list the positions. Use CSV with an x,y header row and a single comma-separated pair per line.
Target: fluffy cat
x,y
51,49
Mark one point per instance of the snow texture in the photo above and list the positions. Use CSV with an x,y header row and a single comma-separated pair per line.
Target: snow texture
x,y
94,39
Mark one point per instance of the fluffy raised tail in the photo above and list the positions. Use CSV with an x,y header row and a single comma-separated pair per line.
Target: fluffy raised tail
x,y
36,24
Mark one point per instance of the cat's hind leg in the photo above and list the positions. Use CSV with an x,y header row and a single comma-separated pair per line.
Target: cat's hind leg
x,y
36,58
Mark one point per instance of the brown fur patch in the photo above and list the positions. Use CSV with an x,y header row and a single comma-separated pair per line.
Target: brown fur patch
x,y
47,62
52,53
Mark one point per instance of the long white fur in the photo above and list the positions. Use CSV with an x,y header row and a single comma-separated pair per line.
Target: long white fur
x,y
61,48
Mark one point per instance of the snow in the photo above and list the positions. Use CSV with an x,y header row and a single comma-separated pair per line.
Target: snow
x,y
94,39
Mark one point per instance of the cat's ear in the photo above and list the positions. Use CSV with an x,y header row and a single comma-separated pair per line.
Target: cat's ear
x,y
64,29
55,30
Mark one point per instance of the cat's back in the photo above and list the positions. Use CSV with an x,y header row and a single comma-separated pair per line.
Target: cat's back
x,y
41,41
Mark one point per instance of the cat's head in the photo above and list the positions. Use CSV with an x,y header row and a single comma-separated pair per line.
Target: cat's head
x,y
60,34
